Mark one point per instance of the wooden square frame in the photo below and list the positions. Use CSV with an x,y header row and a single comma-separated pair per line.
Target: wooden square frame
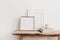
x,y
28,17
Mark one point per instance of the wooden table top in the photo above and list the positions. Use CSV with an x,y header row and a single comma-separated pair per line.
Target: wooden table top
x,y
45,32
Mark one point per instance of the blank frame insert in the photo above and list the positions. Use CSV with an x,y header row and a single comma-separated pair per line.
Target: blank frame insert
x,y
27,23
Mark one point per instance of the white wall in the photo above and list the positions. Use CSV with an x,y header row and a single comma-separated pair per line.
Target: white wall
x,y
11,10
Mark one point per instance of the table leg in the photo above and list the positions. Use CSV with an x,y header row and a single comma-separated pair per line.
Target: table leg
x,y
21,37
58,37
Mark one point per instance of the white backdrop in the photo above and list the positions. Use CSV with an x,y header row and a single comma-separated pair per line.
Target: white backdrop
x,y
11,10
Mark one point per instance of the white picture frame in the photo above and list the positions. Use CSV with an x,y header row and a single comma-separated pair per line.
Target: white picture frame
x,y
27,23
39,17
